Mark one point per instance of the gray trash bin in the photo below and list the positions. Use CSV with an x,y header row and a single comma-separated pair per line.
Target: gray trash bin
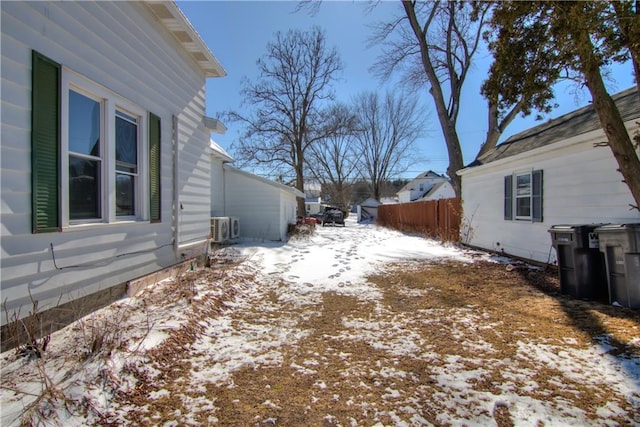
x,y
580,263
620,244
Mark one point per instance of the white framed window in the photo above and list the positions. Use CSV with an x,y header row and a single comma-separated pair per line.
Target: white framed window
x,y
103,155
523,193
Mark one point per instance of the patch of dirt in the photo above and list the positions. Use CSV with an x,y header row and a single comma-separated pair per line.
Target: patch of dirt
x,y
396,360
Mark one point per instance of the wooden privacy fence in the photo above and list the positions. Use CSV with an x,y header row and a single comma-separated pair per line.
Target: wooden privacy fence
x,y
436,218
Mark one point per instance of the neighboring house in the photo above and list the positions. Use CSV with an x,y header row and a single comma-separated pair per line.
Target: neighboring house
x,y
426,186
219,157
437,191
313,205
265,208
105,162
556,173
312,189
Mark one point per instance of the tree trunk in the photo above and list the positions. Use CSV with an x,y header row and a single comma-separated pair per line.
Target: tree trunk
x,y
447,124
493,132
302,210
610,119
376,190
496,128
455,156
629,23
636,71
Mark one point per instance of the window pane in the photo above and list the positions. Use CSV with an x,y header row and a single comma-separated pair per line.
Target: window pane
x,y
127,162
523,185
125,195
523,206
84,188
84,125
126,140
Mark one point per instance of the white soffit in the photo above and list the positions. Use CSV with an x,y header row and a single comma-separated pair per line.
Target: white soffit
x,y
168,13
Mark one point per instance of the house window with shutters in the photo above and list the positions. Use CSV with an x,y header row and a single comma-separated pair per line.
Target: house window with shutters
x,y
95,155
523,196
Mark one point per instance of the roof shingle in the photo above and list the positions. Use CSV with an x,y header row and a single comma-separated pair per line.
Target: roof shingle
x,y
571,124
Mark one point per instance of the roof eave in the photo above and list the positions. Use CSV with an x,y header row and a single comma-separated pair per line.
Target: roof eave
x,y
575,140
267,181
170,15
545,128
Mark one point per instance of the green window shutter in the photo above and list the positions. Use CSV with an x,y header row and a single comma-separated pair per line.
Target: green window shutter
x,y
45,144
536,196
154,168
508,197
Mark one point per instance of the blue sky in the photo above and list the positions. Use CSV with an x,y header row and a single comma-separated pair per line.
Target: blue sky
x,y
237,33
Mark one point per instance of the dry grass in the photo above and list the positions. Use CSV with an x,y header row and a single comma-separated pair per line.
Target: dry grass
x,y
364,362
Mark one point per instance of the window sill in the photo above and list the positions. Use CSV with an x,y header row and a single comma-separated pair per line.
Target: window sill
x,y
98,225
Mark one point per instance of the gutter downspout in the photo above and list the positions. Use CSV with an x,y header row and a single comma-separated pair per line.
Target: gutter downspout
x,y
224,191
176,199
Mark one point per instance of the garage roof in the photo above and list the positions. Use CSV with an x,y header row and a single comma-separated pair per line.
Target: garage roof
x,y
575,123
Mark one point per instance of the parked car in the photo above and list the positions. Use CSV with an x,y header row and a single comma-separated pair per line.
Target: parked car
x,y
317,217
333,216
310,219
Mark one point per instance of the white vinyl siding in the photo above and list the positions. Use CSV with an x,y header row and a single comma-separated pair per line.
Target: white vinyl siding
x,y
122,47
264,209
255,203
418,187
444,191
217,188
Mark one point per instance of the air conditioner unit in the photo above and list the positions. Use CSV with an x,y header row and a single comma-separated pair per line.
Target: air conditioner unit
x,y
234,227
219,229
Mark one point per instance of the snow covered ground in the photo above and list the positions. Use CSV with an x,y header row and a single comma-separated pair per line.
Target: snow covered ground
x,y
298,334
338,259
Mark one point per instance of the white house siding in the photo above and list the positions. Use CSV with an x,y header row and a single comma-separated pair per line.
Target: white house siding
x,y
580,186
217,188
313,205
265,208
194,181
255,203
288,206
121,46
444,191
411,192
407,195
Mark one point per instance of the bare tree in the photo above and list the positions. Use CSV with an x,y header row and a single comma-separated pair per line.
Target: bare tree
x,y
296,75
433,44
387,130
332,160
